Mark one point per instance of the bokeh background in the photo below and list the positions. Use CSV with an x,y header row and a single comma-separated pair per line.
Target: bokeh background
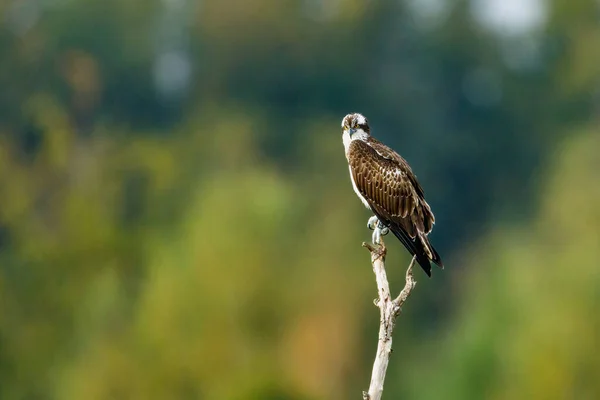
x,y
177,219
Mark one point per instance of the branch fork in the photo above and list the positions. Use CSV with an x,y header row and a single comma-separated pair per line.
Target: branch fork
x,y
389,310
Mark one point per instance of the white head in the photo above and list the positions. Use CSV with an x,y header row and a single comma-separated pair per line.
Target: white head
x,y
354,127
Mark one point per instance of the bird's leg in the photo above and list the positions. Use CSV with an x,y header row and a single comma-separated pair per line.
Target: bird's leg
x,y
376,238
378,229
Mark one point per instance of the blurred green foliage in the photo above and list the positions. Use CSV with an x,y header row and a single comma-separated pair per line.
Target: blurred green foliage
x,y
177,222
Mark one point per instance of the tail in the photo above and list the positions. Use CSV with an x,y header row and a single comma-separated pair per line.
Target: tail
x,y
419,247
422,255
432,253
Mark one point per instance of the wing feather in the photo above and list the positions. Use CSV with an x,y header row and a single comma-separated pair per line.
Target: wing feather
x,y
388,184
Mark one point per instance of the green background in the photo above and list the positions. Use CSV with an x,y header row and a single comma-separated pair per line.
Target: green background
x,y
177,219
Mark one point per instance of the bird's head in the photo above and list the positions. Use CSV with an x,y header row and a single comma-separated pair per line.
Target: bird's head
x,y
355,126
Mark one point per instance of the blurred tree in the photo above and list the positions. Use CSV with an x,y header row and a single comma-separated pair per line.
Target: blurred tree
x,y
207,245
528,322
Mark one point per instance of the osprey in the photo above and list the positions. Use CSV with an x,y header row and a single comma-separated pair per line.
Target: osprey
x,y
386,185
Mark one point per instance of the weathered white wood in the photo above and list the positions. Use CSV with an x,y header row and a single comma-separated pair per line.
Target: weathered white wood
x,y
388,310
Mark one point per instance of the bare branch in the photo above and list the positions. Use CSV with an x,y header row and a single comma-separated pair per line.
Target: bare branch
x,y
389,309
408,286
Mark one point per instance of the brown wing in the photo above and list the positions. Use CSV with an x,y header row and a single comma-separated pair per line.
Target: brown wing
x,y
387,153
387,182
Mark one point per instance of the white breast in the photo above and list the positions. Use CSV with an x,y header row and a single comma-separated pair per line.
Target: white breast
x,y
360,196
346,139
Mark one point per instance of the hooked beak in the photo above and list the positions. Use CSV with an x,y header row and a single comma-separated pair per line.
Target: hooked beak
x,y
351,131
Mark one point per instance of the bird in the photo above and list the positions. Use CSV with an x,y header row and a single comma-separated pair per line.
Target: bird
x,y
387,186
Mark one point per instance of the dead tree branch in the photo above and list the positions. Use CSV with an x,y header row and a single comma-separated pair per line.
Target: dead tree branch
x,y
389,309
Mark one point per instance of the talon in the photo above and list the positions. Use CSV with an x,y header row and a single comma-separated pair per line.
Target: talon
x,y
372,223
384,231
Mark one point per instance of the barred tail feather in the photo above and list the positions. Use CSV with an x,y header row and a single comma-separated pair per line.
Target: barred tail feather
x,y
431,252
414,247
